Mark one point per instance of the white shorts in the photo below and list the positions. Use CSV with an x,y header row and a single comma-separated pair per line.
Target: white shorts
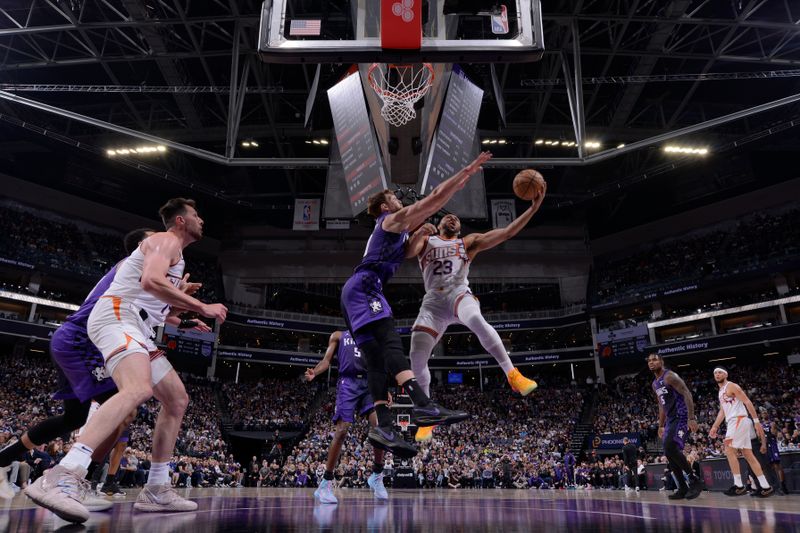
x,y
117,330
739,433
439,309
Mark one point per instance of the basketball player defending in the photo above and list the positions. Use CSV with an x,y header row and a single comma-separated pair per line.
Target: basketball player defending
x,y
82,378
120,326
444,260
734,406
675,418
369,317
352,396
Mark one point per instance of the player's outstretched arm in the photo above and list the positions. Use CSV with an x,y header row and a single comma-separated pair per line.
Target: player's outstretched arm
x,y
677,383
478,242
414,215
322,366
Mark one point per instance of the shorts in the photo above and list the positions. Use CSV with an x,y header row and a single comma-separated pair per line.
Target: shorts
x,y
352,396
82,370
117,330
773,454
363,301
676,431
439,309
738,434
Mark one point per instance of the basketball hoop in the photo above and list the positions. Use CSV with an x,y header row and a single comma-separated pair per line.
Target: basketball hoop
x,y
399,87
403,426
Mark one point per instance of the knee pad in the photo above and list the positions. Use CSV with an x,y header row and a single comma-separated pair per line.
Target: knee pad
x,y
422,345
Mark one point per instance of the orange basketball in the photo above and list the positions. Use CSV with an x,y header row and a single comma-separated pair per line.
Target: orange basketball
x,y
528,184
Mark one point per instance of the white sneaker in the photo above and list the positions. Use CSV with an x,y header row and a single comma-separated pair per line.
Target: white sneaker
x,y
162,498
62,491
637,489
6,492
95,502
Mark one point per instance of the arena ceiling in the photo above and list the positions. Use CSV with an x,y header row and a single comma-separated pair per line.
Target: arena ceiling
x,y
169,68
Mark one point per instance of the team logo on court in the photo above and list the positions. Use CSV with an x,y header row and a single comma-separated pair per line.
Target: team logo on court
x,y
376,306
403,10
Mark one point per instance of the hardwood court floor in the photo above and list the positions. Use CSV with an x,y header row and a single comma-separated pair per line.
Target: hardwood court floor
x,y
267,509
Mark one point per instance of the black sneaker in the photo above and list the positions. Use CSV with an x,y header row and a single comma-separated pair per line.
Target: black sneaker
x,y
763,493
391,441
696,487
735,491
112,489
679,494
434,415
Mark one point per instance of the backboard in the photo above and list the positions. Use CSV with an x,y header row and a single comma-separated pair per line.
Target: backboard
x,y
352,31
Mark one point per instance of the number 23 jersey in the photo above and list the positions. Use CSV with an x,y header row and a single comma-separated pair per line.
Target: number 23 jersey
x,y
444,264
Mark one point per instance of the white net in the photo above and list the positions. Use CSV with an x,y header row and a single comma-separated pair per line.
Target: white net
x,y
400,87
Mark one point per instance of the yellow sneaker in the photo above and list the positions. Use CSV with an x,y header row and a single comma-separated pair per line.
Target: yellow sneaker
x,y
424,433
520,383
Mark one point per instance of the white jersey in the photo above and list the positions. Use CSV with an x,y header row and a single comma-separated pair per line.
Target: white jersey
x,y
127,285
731,405
444,264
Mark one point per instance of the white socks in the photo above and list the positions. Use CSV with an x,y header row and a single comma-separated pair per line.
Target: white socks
x,y
737,480
159,474
79,456
762,480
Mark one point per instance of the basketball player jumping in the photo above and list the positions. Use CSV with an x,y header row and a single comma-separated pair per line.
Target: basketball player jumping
x,y
675,419
369,317
445,260
734,406
352,396
120,326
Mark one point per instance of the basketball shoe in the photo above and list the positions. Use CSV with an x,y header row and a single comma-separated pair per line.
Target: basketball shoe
x,y
520,383
62,491
161,498
424,433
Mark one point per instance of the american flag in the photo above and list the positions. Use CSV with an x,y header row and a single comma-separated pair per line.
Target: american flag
x,y
305,27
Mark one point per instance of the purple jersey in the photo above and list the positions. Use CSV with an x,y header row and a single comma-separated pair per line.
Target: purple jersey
x,y
385,251
81,316
350,361
670,400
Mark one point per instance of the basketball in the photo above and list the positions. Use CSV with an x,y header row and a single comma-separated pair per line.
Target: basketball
x,y
528,184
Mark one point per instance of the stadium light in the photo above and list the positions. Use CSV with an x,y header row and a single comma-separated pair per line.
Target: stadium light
x,y
686,150
137,150
592,144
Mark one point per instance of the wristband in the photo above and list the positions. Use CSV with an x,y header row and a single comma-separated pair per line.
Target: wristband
x,y
756,421
187,324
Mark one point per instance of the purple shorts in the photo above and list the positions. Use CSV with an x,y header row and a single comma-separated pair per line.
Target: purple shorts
x,y
676,431
352,396
81,364
363,301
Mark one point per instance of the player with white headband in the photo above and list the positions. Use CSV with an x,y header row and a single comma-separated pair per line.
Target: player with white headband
x,y
734,409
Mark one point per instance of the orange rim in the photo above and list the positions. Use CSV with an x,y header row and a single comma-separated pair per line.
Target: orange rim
x,y
411,96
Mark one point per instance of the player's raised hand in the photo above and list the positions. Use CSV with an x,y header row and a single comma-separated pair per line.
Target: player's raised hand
x,y
201,327
474,167
310,375
539,199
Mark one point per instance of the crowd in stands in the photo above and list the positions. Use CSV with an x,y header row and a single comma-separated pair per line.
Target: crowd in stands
x,y
268,404
509,442
756,242
628,404
58,246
